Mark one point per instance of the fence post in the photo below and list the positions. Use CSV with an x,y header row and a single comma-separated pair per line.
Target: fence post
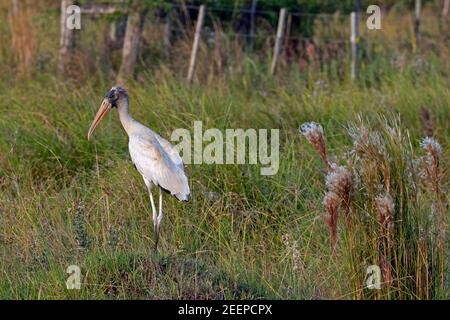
x,y
445,8
353,39
417,23
66,38
276,50
198,30
131,42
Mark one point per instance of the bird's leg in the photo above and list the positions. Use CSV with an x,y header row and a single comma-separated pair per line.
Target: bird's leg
x,y
160,214
155,218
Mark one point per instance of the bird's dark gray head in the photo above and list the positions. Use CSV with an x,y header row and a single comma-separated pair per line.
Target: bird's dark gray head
x,y
115,95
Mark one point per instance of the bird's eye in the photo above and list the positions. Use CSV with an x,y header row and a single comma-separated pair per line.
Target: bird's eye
x,y
112,95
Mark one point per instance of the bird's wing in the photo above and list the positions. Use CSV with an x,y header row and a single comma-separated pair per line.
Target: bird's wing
x,y
156,165
171,151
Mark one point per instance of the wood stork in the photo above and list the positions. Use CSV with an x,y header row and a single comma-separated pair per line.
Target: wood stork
x,y
153,156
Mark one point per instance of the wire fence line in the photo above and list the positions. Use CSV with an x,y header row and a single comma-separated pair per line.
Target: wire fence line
x,y
250,11
209,31
289,32
269,37
354,34
171,6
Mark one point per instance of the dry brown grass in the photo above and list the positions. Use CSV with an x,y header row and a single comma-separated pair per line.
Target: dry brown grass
x,y
389,229
23,38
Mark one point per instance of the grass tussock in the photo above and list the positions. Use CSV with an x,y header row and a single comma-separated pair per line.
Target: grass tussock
x,y
388,218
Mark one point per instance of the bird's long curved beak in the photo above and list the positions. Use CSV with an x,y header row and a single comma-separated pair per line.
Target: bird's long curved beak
x,y
101,113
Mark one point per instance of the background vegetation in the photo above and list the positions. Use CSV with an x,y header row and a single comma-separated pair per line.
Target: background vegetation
x,y
64,200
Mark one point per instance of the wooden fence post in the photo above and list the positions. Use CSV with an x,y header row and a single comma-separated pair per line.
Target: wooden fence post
x,y
353,41
198,31
443,28
66,38
131,42
276,50
417,23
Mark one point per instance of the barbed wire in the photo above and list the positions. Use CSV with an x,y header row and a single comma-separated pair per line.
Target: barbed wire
x,y
364,33
249,11
296,12
205,32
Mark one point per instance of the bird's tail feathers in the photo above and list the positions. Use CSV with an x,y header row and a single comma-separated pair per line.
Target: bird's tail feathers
x,y
182,196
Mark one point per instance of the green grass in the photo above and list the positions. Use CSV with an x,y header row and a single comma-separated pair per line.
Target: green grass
x,y
67,201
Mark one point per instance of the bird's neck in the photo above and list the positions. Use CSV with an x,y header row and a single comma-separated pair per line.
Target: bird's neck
x,y
128,123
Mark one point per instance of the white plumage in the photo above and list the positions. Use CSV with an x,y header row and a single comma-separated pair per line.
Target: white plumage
x,y
153,156
159,163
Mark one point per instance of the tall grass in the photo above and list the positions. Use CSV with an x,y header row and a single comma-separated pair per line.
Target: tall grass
x,y
66,201
386,215
23,43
